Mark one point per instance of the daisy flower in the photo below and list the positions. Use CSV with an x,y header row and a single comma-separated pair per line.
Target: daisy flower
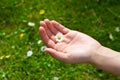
x,y
117,29
31,24
55,78
7,56
39,41
59,37
43,48
13,46
29,53
3,75
111,36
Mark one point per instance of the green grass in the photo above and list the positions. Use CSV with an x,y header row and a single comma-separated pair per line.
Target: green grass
x,y
97,18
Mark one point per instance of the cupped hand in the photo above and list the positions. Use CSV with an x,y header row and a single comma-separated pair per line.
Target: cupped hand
x,y
76,47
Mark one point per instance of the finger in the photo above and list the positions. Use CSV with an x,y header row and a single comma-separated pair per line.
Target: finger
x,y
46,39
48,32
58,55
60,27
50,26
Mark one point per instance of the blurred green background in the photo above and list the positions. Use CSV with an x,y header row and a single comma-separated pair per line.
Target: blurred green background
x,y
97,18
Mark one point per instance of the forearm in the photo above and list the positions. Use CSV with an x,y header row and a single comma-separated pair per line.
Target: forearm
x,y
107,60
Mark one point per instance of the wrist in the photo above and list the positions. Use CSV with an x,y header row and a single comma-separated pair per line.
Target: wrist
x,y
96,55
101,55
106,59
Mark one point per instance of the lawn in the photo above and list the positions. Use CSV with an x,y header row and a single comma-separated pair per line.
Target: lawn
x,y
97,18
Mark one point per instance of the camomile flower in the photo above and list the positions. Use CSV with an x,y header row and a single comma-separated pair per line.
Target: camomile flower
x,y
29,53
31,24
7,56
111,36
39,41
117,29
43,48
13,46
55,78
3,75
59,37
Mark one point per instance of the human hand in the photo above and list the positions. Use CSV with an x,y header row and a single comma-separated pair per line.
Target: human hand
x,y
76,47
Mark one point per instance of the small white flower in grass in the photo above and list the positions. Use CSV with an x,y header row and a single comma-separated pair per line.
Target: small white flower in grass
x,y
55,78
31,24
7,56
48,65
117,29
111,36
29,53
12,46
3,75
43,48
39,41
59,37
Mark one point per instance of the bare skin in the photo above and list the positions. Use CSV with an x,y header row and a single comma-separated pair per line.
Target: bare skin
x,y
78,47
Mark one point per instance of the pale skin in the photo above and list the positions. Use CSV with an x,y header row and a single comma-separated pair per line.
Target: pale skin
x,y
78,47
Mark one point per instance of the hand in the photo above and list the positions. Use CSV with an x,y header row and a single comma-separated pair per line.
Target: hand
x,y
76,47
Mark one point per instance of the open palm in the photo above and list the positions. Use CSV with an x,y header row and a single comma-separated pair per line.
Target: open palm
x,y
76,47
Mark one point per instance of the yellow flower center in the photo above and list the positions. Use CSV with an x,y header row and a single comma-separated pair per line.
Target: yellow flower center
x,y
59,37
